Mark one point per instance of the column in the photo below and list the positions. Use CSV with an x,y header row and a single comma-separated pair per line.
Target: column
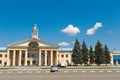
x,y
45,57
26,54
13,64
57,57
20,52
31,62
39,58
51,59
8,58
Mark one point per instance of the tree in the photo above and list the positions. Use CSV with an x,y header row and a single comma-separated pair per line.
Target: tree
x,y
84,53
107,55
99,54
91,55
77,56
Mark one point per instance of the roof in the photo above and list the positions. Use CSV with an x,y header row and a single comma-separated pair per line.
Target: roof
x,y
65,49
26,42
115,52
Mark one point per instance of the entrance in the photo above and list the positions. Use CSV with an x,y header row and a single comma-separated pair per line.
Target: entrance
x,y
34,62
33,53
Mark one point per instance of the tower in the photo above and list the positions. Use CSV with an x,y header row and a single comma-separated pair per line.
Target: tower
x,y
35,32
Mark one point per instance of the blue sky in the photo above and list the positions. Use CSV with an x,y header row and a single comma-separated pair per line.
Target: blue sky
x,y
61,21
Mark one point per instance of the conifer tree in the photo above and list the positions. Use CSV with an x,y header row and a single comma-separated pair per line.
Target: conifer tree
x,y
107,55
91,55
77,56
84,53
99,54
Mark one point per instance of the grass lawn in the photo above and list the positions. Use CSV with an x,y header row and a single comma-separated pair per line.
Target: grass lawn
x,y
3,68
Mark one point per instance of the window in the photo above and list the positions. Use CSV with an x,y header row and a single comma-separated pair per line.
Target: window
x,y
28,55
23,55
0,55
34,55
34,46
62,55
5,63
67,62
67,55
5,55
0,62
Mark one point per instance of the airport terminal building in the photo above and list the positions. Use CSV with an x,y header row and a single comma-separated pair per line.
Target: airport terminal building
x,y
35,52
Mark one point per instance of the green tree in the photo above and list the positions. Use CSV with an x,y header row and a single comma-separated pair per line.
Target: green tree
x,y
76,55
99,54
107,55
84,53
91,55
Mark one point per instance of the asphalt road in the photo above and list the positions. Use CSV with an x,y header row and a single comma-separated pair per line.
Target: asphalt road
x,y
60,75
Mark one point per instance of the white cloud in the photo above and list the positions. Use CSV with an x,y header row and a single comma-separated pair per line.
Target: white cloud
x,y
63,44
71,30
92,30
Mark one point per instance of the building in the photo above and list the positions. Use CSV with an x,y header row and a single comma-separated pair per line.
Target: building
x,y
115,58
33,51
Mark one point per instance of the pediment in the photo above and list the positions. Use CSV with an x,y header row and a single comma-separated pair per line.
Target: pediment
x,y
25,43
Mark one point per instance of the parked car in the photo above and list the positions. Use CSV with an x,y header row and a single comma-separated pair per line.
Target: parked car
x,y
62,64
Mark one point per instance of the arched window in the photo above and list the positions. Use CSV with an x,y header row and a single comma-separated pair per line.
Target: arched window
x,y
33,44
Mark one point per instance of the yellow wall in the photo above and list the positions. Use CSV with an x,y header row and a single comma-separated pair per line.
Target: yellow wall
x,y
3,58
64,56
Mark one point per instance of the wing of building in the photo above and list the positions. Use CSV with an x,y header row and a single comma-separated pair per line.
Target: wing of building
x,y
33,51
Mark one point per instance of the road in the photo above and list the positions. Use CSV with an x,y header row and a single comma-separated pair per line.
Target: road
x,y
60,75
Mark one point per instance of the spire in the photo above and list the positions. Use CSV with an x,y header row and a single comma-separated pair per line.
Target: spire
x,y
35,32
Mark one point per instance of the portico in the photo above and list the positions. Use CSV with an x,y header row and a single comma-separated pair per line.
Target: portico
x,y
32,52
43,58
